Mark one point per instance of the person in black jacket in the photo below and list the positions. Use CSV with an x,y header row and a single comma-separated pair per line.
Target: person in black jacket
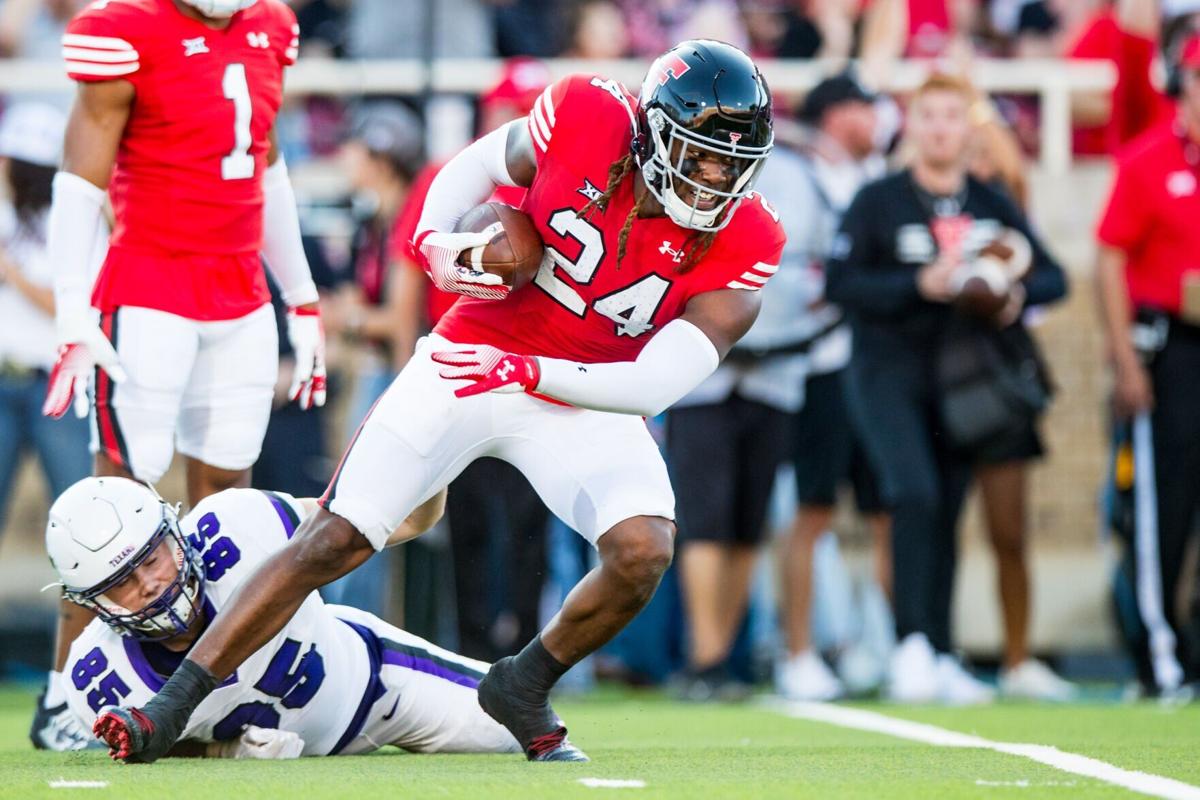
x,y
893,270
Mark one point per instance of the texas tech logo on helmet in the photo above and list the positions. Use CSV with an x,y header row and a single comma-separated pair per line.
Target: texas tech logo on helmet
x,y
670,65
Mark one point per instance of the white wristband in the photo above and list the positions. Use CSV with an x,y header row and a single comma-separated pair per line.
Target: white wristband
x,y
75,231
282,246
673,362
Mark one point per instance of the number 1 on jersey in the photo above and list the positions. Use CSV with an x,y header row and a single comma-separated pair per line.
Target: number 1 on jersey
x,y
239,164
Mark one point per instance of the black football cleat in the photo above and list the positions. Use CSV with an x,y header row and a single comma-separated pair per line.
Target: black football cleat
x,y
131,736
554,746
530,720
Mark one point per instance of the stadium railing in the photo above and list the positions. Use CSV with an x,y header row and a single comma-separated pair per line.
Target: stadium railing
x,y
1053,81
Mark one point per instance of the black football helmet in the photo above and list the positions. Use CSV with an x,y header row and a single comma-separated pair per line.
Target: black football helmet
x,y
707,94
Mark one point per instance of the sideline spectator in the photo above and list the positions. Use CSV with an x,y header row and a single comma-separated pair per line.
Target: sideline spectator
x,y
1002,470
892,268
31,146
816,29
595,29
895,29
1147,271
812,187
1123,33
530,28
657,25
380,158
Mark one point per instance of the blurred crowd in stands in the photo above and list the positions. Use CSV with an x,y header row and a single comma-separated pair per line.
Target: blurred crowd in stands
x,y
478,582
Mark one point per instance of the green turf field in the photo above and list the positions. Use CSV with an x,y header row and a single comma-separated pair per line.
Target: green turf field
x,y
677,751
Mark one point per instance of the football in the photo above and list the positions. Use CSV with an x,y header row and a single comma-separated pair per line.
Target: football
x,y
515,249
981,288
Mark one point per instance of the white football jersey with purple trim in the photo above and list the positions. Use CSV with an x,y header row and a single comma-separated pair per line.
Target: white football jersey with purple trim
x,y
317,678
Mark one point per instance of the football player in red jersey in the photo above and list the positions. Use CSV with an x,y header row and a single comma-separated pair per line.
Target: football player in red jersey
x,y
174,122
656,250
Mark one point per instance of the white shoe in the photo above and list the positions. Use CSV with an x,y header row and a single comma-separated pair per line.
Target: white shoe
x,y
861,669
958,687
1033,680
912,674
806,677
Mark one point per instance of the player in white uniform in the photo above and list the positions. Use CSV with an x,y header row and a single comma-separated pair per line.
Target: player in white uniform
x,y
334,681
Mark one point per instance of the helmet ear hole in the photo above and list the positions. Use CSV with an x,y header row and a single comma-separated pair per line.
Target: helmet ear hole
x,y
637,146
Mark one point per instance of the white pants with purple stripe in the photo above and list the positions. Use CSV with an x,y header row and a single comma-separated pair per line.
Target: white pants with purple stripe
x,y
429,703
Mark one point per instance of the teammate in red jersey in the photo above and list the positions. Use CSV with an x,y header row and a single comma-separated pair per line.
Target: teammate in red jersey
x,y
174,121
656,250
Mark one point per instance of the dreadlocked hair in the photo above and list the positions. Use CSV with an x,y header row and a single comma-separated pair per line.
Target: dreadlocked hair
x,y
697,247
698,244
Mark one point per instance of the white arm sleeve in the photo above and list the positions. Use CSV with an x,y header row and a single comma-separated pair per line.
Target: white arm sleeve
x,y
75,231
282,247
467,180
673,362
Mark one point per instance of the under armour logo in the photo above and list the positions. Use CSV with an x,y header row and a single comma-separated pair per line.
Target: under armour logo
x,y
589,190
259,40
667,249
506,369
194,47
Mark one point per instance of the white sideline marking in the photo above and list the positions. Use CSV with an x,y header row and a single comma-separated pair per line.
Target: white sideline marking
x,y
612,783
64,784
859,719
1024,784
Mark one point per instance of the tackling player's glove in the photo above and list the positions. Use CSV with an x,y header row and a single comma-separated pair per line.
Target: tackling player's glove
x,y
82,347
307,337
440,252
261,743
489,369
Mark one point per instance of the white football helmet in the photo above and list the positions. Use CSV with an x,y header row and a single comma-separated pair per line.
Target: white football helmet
x,y
220,9
100,531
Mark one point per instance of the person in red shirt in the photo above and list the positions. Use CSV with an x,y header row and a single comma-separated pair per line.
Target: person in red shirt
x,y
1148,280
657,248
174,122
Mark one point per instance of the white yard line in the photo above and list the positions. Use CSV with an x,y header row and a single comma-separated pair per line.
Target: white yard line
x,y
859,719
64,784
612,783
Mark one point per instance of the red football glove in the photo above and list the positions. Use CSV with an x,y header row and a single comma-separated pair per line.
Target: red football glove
x,y
491,370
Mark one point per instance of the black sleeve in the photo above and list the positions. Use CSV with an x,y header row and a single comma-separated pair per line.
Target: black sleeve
x,y
853,278
1046,282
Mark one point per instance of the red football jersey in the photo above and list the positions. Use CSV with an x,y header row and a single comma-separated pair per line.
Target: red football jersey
x,y
1151,217
187,185
582,305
